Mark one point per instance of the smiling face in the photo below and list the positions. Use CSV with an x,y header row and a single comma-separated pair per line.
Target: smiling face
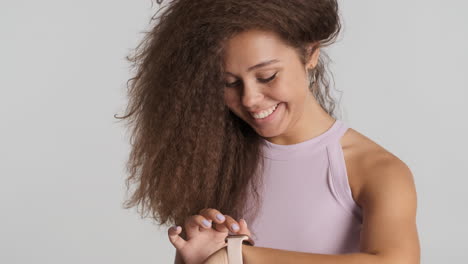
x,y
261,72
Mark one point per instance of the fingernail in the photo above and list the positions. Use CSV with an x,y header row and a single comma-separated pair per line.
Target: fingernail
x,y
206,223
220,217
235,227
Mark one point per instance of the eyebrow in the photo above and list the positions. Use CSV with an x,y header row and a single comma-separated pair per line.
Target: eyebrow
x,y
261,64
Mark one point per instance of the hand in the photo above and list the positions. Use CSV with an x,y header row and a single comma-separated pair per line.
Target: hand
x,y
202,241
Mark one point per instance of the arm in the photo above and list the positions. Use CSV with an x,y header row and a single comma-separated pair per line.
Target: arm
x,y
261,255
389,234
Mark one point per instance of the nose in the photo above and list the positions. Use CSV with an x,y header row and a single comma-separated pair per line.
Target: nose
x,y
252,96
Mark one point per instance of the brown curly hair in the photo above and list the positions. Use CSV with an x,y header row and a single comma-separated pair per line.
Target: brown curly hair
x,y
188,150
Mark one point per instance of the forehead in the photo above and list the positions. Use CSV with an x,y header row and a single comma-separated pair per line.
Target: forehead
x,y
250,47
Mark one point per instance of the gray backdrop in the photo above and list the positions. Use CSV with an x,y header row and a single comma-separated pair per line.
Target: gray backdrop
x,y
402,67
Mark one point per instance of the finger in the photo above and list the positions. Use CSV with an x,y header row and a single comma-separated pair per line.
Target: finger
x,y
194,223
174,237
217,217
213,214
231,224
244,228
221,227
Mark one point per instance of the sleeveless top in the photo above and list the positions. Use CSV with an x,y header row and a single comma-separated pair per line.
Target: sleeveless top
x,y
307,204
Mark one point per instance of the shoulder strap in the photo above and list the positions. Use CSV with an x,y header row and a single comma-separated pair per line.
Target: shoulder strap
x,y
337,175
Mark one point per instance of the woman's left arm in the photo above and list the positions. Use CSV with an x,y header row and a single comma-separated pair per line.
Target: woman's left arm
x,y
389,234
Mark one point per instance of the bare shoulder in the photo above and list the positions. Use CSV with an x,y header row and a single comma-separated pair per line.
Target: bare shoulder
x,y
365,160
383,186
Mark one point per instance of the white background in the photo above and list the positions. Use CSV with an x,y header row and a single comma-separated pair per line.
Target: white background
x,y
402,67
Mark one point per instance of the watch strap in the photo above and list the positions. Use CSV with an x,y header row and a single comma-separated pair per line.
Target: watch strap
x,y
234,247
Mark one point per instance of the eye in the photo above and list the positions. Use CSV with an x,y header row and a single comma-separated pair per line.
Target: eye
x,y
269,79
233,84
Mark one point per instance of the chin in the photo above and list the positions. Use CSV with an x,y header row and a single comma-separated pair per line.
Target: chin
x,y
268,134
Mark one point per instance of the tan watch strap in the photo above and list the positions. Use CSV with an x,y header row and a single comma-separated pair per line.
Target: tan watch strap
x,y
234,247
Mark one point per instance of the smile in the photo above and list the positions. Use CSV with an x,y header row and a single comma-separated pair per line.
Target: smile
x,y
265,113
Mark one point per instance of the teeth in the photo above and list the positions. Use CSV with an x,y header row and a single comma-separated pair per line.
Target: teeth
x,y
265,113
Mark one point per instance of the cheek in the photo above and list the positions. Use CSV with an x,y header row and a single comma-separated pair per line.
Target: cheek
x,y
283,91
292,89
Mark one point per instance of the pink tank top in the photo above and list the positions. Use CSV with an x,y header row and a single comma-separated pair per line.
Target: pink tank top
x,y
307,202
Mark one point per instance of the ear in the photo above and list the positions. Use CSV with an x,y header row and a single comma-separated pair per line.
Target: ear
x,y
313,59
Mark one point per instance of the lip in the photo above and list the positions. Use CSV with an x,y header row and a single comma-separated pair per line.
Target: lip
x,y
262,110
268,118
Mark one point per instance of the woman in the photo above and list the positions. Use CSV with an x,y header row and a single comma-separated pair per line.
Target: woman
x,y
233,117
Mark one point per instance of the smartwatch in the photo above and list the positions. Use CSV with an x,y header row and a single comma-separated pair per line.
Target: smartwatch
x,y
234,247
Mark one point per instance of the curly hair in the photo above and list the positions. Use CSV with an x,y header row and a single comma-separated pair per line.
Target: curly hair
x,y
188,150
